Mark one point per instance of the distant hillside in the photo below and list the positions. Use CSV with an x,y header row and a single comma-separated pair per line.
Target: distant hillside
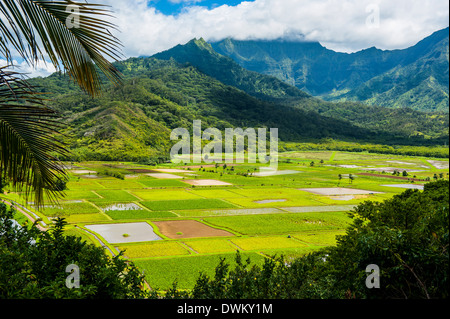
x,y
416,77
406,122
193,82
134,121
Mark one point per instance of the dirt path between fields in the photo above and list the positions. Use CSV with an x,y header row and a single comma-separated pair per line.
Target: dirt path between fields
x,y
18,208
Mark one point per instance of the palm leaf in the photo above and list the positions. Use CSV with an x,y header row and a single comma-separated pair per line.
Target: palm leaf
x,y
28,136
37,27
29,131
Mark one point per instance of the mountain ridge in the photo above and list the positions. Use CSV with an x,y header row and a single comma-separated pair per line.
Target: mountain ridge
x,y
133,122
341,76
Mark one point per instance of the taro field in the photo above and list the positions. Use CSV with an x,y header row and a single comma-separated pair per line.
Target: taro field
x,y
177,221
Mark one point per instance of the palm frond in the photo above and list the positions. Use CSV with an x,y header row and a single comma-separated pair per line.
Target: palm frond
x,y
37,27
28,136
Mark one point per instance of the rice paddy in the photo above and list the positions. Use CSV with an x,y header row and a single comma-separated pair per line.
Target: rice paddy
x,y
182,221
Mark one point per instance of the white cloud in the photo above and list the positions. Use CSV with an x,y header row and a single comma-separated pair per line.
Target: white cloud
x,y
41,68
337,24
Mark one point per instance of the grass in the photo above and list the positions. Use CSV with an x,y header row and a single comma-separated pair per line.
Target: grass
x,y
119,184
228,212
66,209
319,238
291,253
185,270
281,223
162,183
187,204
159,195
263,243
80,194
86,218
208,246
217,193
138,214
154,249
264,228
115,195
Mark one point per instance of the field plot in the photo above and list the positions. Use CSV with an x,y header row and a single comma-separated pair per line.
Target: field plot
x,y
172,170
268,172
125,233
115,195
125,211
217,193
86,218
318,209
185,270
319,238
229,212
264,243
119,184
80,194
338,191
162,183
439,164
121,207
281,223
71,208
206,182
409,186
159,195
139,214
263,201
84,185
208,246
82,171
189,229
176,226
168,205
154,249
164,176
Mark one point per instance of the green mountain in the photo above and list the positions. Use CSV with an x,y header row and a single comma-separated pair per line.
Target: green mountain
x,y
406,122
133,122
200,54
416,77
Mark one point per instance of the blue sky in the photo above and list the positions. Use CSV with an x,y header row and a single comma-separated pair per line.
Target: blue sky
x,y
175,7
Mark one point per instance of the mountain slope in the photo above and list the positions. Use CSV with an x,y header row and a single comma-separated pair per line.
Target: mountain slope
x,y
407,123
201,55
371,75
420,84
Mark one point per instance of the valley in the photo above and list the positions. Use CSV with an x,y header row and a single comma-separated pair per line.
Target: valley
x,y
173,229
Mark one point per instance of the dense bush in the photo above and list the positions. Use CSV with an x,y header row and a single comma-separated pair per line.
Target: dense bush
x,y
33,265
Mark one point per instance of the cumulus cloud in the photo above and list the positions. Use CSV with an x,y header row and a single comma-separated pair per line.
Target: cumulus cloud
x,y
41,68
342,25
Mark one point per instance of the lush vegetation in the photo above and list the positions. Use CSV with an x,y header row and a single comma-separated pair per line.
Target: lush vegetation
x,y
416,77
33,265
296,224
406,237
133,122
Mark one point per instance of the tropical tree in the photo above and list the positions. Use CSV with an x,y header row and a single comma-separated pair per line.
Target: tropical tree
x,y
76,38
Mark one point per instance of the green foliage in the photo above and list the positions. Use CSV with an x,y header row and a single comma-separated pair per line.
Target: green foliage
x,y
187,204
133,122
406,237
416,77
33,265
